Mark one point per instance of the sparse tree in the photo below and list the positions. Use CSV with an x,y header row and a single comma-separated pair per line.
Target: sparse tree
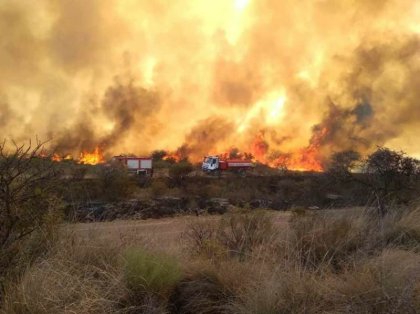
x,y
27,201
341,164
390,175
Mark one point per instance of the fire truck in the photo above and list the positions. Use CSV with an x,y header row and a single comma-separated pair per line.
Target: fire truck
x,y
216,164
136,165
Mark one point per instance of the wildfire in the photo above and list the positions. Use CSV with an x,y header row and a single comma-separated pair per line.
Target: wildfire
x,y
305,159
91,158
172,157
57,157
234,153
87,158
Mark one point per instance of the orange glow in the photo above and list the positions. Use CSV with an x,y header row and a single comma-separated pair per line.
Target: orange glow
x,y
175,156
56,157
91,158
305,159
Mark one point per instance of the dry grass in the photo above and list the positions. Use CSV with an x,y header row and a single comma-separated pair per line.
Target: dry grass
x,y
331,262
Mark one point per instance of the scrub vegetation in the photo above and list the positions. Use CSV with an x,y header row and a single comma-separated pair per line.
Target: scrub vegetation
x,y
249,260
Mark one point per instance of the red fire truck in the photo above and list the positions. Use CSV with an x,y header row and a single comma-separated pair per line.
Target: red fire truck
x,y
137,165
217,164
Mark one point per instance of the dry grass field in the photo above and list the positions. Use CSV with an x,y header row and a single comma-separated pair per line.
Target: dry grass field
x,y
335,261
162,234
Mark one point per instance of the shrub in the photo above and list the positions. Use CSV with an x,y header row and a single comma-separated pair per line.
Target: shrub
x,y
238,234
198,233
147,273
289,291
29,206
115,182
388,283
320,241
404,230
73,278
242,232
179,171
158,188
200,293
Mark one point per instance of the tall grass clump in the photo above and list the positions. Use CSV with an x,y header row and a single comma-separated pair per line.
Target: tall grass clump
x,y
387,283
73,277
320,241
403,230
237,234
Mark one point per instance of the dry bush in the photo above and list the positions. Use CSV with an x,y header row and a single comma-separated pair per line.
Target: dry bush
x,y
404,231
237,234
288,291
242,232
158,188
200,293
201,238
114,182
319,241
388,283
211,288
29,207
74,278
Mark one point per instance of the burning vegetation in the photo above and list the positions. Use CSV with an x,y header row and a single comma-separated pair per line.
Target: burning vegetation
x,y
87,158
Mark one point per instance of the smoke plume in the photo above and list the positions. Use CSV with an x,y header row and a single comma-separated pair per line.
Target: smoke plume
x,y
287,81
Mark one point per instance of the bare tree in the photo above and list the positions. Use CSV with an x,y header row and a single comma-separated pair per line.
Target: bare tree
x,y
26,183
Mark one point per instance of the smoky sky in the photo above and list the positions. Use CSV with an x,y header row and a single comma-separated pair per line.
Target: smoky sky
x,y
136,76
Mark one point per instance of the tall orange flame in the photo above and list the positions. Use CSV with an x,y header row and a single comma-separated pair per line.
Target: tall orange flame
x,y
93,158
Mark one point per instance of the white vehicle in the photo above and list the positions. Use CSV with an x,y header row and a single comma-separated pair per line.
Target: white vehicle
x,y
217,164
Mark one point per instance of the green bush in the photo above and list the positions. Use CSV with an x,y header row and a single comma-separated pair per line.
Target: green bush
x,y
147,273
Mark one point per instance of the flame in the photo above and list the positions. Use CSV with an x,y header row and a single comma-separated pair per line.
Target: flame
x,y
272,108
87,158
235,153
91,158
173,157
306,159
56,157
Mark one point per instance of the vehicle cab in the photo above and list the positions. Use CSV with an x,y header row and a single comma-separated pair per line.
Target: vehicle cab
x,y
210,163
